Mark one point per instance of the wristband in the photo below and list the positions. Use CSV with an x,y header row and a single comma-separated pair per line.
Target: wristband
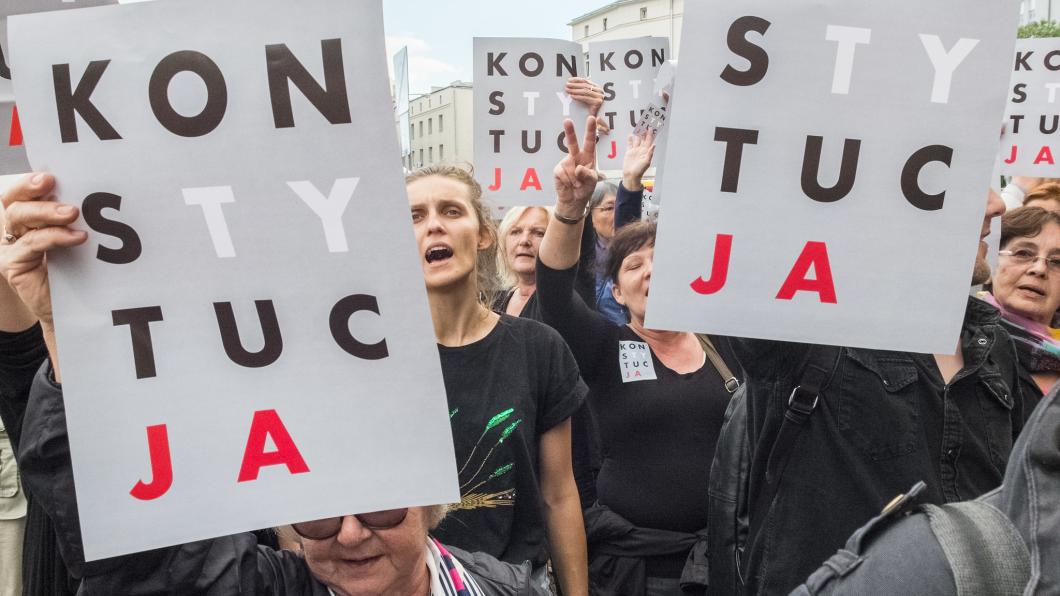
x,y
570,221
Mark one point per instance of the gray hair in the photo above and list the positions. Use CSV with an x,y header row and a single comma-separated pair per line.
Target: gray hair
x,y
513,215
603,189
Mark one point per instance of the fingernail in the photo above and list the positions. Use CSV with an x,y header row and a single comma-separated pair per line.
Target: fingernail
x,y
37,179
66,210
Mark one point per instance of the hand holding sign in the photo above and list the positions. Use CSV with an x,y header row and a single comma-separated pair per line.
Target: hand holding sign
x,y
576,174
37,226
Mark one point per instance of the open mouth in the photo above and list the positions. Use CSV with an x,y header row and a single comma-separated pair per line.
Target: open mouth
x,y
438,253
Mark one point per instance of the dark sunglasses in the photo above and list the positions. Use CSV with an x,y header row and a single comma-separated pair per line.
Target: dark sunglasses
x,y
322,529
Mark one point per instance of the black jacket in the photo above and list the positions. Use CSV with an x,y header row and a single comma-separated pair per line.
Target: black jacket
x,y
223,566
884,422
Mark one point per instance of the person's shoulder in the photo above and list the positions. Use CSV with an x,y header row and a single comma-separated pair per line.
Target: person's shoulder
x,y
495,577
529,330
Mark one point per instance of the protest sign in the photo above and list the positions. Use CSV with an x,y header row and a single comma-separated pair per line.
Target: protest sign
x,y
12,151
520,105
626,70
1030,145
834,190
244,339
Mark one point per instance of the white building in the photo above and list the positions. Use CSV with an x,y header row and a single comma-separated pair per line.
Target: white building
x,y
440,125
624,19
1039,10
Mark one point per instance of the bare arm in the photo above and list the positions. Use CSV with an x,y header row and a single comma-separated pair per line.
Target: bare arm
x,y
563,512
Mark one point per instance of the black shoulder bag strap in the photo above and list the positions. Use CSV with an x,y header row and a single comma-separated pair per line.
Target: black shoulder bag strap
x,y
817,370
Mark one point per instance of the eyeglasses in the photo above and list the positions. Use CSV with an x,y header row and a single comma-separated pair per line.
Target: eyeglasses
x,y
322,529
605,208
1024,256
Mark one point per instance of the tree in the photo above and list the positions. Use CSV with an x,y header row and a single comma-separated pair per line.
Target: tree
x,y
1040,29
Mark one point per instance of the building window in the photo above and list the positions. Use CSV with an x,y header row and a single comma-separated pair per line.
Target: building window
x,y
412,131
421,134
586,31
430,154
441,152
421,157
643,12
430,126
439,124
605,24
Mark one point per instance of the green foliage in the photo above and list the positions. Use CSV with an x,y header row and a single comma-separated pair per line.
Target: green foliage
x,y
1040,29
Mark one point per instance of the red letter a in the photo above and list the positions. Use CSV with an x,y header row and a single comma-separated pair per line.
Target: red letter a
x,y
267,423
16,129
815,254
530,179
1046,155
161,466
720,272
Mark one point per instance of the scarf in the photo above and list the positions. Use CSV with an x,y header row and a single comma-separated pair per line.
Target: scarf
x,y
1037,345
448,576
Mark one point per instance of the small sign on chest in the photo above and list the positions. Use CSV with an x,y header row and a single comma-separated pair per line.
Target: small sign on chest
x,y
634,361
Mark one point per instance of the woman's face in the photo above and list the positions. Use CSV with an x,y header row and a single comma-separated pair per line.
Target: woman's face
x,y
359,561
447,231
604,218
634,279
1031,290
523,239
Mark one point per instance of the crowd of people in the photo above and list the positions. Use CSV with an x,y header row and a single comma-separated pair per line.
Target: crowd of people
x,y
596,455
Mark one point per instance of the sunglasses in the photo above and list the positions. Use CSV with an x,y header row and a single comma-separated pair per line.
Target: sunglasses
x,y
322,529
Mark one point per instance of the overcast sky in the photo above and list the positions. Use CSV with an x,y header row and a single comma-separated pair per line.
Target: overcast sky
x,y
438,33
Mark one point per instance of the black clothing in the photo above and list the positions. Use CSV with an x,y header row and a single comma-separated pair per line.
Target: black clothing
x,y
884,422
505,391
531,310
43,570
628,205
219,567
618,565
658,428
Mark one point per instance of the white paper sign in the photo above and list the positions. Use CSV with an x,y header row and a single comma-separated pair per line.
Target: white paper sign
x,y
626,71
250,302
834,190
520,105
1030,145
12,151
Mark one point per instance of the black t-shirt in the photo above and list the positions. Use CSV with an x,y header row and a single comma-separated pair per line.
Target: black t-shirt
x,y
531,310
658,428
505,391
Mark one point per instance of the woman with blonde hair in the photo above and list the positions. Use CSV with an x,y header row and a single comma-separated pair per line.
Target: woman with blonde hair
x,y
512,384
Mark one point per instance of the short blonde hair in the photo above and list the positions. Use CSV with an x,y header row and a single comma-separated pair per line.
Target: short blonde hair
x,y
510,219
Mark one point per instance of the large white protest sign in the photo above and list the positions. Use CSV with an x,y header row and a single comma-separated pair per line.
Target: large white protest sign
x,y
245,339
12,151
626,70
1030,145
520,105
833,190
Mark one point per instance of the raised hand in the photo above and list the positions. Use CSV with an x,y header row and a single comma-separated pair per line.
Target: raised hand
x,y
575,176
639,153
33,224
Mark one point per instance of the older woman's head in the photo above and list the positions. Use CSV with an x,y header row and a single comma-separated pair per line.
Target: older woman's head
x,y
1027,281
1045,196
629,265
602,210
521,232
374,553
